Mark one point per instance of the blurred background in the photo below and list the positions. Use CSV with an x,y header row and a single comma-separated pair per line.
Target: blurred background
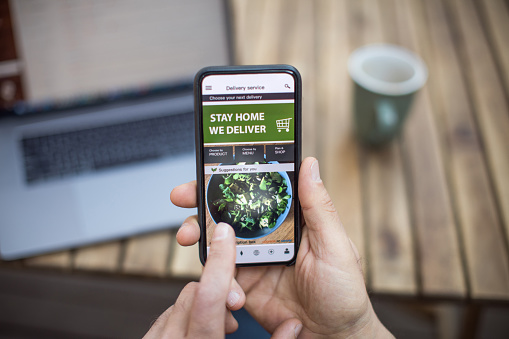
x,y
428,211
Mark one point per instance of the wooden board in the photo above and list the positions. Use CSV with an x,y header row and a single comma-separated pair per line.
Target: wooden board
x,y
339,158
101,257
394,267
60,260
147,254
480,228
185,262
496,20
265,27
297,49
441,271
257,31
486,251
488,98
238,11
391,262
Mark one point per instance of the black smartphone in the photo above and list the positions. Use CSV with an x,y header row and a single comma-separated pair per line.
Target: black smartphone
x,y
248,154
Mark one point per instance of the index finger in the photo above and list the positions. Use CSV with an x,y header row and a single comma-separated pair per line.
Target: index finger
x,y
185,195
209,308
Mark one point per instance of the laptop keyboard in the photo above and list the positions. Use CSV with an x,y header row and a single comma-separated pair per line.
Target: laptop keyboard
x,y
76,152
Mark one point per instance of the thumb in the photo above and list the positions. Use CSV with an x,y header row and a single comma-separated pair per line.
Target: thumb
x,y
289,329
320,215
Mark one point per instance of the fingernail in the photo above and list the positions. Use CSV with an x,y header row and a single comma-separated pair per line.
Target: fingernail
x,y
232,298
315,171
221,231
298,328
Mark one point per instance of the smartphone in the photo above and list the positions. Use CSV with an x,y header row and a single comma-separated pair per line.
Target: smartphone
x,y
248,154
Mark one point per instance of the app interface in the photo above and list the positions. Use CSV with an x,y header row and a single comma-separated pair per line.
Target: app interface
x,y
249,162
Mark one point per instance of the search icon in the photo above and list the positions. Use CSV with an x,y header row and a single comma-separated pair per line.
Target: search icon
x,y
287,86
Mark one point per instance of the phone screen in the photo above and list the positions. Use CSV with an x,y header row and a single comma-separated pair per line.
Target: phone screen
x,y
249,162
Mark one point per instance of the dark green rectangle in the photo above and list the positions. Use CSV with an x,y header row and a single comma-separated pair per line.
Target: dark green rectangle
x,y
275,125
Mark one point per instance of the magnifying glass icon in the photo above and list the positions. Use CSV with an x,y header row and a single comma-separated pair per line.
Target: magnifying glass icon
x,y
287,86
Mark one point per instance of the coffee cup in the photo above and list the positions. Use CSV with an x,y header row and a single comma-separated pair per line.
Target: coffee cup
x,y
386,78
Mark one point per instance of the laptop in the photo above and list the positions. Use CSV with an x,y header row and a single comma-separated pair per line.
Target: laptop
x,y
105,128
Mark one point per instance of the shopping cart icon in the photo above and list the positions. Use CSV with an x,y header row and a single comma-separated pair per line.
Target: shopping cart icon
x,y
283,124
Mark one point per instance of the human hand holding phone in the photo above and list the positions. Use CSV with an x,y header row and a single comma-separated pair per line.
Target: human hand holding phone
x,y
325,289
200,311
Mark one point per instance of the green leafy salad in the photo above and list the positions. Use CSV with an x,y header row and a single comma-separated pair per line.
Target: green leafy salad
x,y
252,200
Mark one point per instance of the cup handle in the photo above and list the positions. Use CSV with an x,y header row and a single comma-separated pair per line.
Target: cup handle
x,y
386,116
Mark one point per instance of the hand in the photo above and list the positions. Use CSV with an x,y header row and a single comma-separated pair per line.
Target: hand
x,y
325,289
200,310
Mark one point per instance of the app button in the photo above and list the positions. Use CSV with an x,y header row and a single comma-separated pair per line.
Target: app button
x,y
256,252
241,253
271,251
287,251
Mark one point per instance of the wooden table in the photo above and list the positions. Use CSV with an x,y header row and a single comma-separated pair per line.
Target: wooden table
x,y
429,213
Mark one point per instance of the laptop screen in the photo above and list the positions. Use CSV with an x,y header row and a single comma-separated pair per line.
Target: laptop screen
x,y
73,53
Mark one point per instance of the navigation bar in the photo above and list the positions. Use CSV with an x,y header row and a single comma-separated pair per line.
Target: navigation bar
x,y
263,253
248,83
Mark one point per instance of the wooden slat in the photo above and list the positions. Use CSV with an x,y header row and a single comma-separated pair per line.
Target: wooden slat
x,y
299,35
258,31
391,254
486,259
389,225
185,262
391,263
489,101
102,257
339,160
239,16
438,245
54,260
147,254
267,33
390,28
497,21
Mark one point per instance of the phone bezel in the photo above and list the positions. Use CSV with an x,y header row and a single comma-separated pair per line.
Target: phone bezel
x,y
199,148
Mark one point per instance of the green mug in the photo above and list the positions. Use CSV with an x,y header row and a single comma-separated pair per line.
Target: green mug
x,y
386,78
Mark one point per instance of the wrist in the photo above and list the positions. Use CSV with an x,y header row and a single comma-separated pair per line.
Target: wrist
x,y
367,326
